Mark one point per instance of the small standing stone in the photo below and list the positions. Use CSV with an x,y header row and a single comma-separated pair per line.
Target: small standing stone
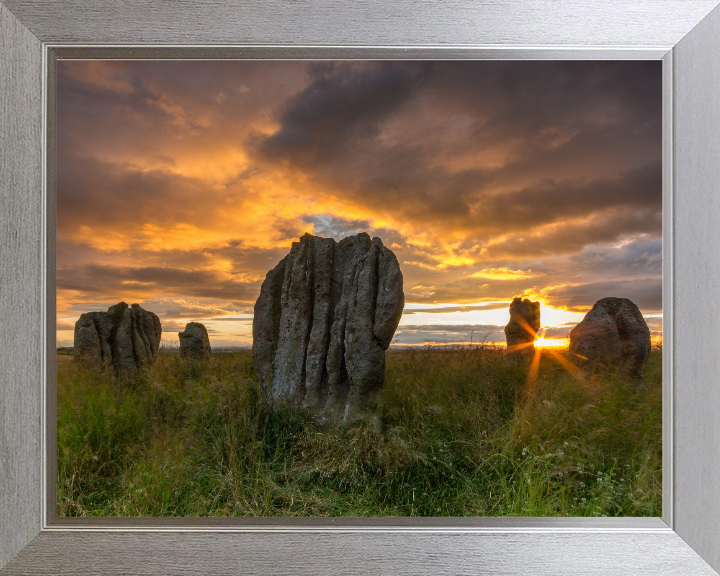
x,y
194,342
523,326
612,336
126,338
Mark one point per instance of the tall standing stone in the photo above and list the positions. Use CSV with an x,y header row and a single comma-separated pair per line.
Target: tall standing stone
x,y
124,338
612,336
194,342
324,318
524,323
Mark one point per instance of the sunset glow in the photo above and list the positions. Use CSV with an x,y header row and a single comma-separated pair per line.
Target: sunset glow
x,y
552,343
182,183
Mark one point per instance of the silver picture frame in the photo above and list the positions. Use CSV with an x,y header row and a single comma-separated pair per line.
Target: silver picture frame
x,y
684,34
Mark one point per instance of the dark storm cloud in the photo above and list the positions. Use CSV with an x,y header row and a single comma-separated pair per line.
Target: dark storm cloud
x,y
646,293
97,100
180,184
526,94
634,258
571,237
339,108
142,105
345,103
111,280
577,138
94,192
550,201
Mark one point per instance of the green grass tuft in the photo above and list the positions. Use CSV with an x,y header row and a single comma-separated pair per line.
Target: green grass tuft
x,y
459,433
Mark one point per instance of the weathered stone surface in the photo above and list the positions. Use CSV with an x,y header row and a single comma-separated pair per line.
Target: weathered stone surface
x,y
194,342
523,326
124,338
86,348
325,316
612,336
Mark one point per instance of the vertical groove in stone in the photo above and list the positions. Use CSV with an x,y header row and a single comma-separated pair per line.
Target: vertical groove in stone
x,y
122,345
138,343
266,325
349,252
365,360
87,350
143,325
104,335
315,369
294,324
309,266
340,305
96,324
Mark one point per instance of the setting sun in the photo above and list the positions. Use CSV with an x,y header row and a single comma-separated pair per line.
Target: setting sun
x,y
552,343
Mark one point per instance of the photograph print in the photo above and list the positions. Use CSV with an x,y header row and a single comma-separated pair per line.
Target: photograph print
x,y
305,288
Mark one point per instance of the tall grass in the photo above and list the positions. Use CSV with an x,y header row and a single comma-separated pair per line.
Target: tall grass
x,y
457,433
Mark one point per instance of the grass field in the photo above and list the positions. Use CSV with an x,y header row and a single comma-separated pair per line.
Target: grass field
x,y
460,433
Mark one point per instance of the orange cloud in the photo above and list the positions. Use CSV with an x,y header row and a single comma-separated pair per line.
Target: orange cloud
x,y
503,274
180,183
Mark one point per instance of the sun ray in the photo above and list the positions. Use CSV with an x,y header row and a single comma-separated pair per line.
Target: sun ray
x,y
525,326
573,370
520,346
528,392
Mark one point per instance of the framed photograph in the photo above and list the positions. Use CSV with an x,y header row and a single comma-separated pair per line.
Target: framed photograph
x,y
501,357
50,52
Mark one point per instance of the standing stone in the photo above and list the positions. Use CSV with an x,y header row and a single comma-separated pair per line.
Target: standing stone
x,y
612,336
324,318
194,342
523,326
86,347
123,338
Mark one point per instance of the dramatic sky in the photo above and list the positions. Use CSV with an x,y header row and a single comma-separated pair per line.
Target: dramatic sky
x,y
181,183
